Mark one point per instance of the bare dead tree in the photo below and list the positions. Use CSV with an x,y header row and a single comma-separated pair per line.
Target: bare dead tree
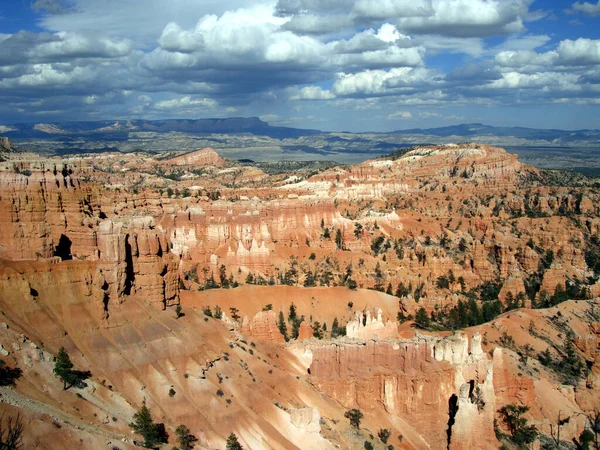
x,y
555,429
11,434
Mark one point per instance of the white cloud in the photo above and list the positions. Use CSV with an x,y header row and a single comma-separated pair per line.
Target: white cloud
x,y
383,9
524,42
469,18
544,80
73,45
382,82
389,33
525,59
186,102
579,52
312,93
399,115
590,9
90,99
436,44
316,24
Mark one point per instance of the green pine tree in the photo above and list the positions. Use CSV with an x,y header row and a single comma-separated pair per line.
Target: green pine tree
x,y
63,368
421,318
144,425
292,314
184,438
282,326
233,443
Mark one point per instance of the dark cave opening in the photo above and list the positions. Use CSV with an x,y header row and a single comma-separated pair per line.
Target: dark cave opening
x,y
63,249
452,410
129,273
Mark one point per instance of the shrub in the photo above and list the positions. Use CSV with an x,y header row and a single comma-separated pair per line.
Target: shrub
x,y
521,432
354,416
384,434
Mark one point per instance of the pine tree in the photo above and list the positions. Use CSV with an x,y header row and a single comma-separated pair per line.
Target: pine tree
x,y
521,432
143,425
63,368
292,314
233,443
184,438
234,313
334,327
421,318
317,332
339,239
282,326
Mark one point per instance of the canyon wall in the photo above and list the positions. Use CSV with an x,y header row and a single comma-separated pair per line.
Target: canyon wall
x,y
441,387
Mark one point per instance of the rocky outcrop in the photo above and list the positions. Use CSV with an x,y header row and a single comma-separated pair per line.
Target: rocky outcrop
x,y
263,326
305,331
366,327
443,388
199,158
138,261
307,419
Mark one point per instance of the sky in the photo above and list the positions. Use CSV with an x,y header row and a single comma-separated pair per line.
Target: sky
x,y
336,65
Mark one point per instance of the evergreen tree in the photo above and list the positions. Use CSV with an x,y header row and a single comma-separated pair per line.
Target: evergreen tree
x,y
421,318
234,313
233,443
317,332
143,425
184,438
401,290
521,433
292,314
282,326
389,290
335,332
63,368
339,239
296,326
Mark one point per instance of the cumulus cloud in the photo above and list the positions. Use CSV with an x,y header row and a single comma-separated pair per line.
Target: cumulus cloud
x,y
186,103
221,57
26,46
590,9
579,52
382,82
384,9
312,93
469,18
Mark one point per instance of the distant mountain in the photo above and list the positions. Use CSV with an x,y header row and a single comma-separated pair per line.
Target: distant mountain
x,y
479,129
121,128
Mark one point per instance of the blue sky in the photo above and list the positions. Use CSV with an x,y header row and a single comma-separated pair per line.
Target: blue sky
x,y
354,65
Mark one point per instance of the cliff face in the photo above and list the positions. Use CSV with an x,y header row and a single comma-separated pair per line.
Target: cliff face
x,y
56,218
442,388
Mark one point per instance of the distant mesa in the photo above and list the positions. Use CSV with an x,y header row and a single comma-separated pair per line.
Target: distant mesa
x,y
203,157
6,146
